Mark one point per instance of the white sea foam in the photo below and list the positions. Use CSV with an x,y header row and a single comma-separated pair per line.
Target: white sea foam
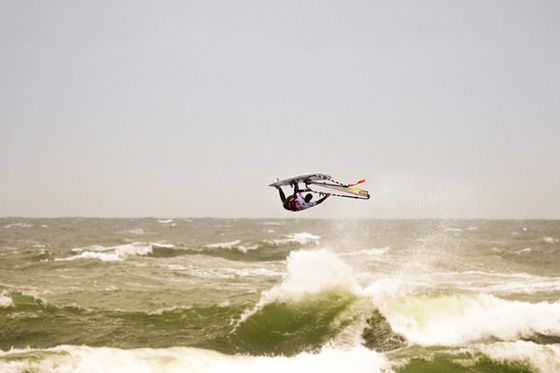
x,y
5,300
137,231
165,221
308,272
18,225
460,319
109,254
311,271
175,267
368,252
550,240
388,288
187,359
519,287
497,282
302,238
246,249
273,223
450,229
158,245
256,272
542,358
223,245
231,245
104,257
232,273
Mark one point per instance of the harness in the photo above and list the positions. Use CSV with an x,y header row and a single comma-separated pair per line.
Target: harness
x,y
292,203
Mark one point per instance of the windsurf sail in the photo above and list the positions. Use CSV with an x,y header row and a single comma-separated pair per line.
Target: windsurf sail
x,y
320,183
349,191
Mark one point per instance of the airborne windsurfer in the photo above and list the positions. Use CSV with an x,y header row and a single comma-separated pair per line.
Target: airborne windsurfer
x,y
296,202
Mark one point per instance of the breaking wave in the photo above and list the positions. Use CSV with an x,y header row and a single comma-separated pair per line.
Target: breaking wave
x,y
517,357
109,254
499,357
315,305
185,359
265,250
459,319
302,238
5,300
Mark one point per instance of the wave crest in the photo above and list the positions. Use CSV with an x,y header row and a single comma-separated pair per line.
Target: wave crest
x,y
461,319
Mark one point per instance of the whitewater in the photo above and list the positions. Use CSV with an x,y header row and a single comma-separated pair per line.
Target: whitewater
x,y
254,295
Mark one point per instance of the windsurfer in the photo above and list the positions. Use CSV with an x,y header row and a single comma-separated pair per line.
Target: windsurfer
x,y
296,201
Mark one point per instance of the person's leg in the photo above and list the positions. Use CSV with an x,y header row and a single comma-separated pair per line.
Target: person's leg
x,y
282,196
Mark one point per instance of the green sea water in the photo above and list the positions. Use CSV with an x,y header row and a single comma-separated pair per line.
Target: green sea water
x,y
211,295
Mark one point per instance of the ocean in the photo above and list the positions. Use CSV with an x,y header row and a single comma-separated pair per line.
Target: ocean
x,y
279,295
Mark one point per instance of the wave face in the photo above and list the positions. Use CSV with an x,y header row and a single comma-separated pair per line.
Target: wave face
x,y
213,295
289,328
28,318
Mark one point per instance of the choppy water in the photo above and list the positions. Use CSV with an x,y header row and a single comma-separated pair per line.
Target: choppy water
x,y
212,295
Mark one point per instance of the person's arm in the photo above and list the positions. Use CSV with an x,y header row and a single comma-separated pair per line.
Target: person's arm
x,y
296,189
282,196
327,195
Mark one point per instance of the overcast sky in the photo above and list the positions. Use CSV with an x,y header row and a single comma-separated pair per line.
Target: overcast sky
x,y
190,108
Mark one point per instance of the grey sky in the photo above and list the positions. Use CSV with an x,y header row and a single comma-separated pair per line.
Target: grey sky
x,y
177,108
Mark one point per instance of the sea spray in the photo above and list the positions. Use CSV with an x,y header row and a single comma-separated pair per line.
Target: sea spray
x,y
309,272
